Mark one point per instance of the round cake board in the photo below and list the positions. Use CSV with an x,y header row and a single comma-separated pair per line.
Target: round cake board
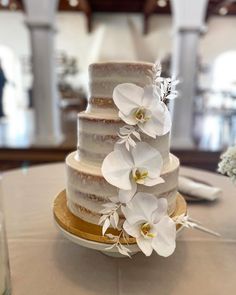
x,y
90,235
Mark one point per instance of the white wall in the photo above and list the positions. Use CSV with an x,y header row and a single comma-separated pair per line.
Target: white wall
x,y
115,36
13,32
219,38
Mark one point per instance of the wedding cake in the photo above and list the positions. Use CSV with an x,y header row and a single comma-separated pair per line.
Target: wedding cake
x,y
123,158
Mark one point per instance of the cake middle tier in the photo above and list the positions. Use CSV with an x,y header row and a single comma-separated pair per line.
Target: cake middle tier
x,y
97,134
87,190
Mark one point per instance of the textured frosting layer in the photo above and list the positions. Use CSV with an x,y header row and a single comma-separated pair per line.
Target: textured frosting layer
x,y
104,77
87,189
97,135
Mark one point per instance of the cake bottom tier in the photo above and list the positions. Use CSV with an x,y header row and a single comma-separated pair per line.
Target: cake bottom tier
x,y
87,190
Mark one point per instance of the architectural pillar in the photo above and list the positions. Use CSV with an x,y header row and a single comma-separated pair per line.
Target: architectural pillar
x,y
188,23
40,19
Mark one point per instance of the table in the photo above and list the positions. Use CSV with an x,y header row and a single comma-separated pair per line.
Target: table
x,y
43,262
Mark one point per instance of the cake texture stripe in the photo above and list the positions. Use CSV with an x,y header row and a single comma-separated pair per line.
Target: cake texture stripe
x,y
87,181
91,214
94,203
100,118
94,173
102,102
98,135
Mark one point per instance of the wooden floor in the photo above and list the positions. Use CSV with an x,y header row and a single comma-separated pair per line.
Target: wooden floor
x,y
17,149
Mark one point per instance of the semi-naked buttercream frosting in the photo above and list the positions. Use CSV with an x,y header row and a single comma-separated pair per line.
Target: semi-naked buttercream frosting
x,y
98,127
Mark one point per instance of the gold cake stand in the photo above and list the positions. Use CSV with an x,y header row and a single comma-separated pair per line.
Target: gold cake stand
x,y
90,235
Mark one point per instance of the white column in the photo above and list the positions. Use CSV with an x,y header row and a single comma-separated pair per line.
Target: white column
x,y
40,19
188,23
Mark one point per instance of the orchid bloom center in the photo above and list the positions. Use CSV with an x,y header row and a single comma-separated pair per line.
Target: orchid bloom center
x,y
146,230
141,115
139,175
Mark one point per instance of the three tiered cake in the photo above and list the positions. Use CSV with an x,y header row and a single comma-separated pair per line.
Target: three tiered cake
x,y
123,161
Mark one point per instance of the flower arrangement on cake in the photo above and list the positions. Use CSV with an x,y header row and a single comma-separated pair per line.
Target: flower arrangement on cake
x,y
134,162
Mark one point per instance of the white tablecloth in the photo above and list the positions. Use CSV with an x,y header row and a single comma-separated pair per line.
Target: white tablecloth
x,y
43,262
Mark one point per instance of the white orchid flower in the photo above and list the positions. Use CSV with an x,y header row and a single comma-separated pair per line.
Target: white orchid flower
x,y
142,107
148,222
123,169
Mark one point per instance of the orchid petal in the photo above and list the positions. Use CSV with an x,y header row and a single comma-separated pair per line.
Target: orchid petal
x,y
125,154
126,195
116,170
164,243
132,230
161,210
145,245
127,96
156,103
129,118
145,156
132,216
149,96
141,208
161,119
148,129
153,181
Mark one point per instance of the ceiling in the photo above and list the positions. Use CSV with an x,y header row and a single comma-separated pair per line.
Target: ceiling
x,y
157,6
146,7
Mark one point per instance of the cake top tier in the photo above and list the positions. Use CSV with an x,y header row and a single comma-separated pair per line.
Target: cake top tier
x,y
104,77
